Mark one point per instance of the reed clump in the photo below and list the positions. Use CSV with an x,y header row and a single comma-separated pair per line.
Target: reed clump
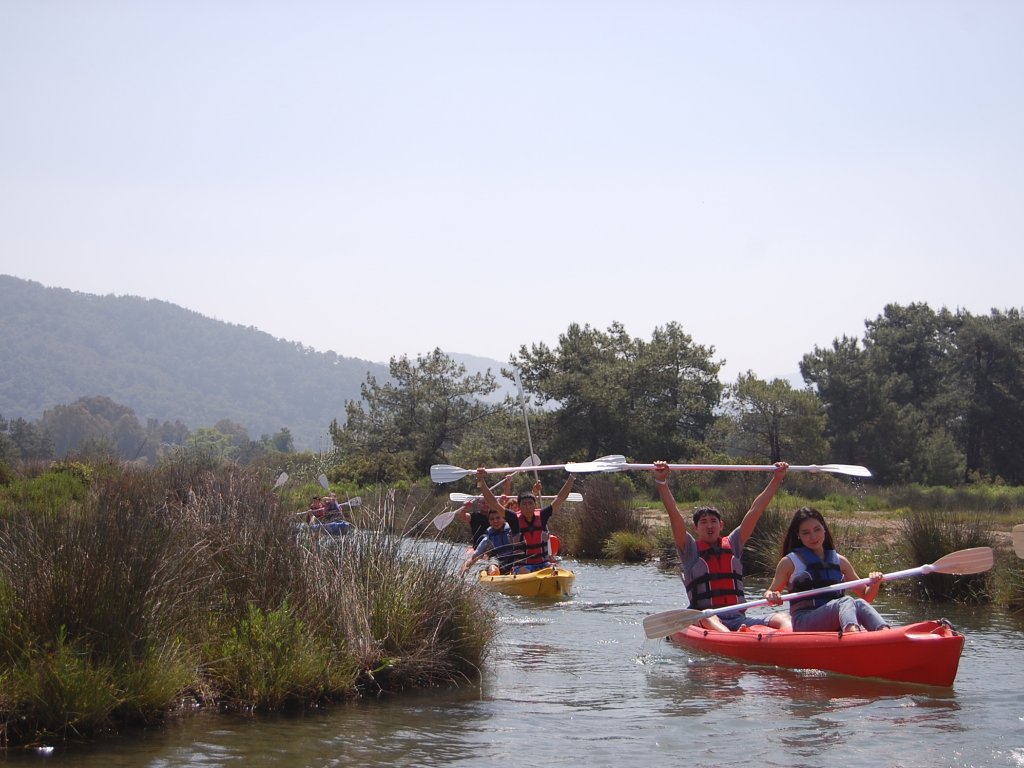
x,y
189,584
606,510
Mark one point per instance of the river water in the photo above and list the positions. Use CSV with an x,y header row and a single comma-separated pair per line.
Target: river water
x,y
574,682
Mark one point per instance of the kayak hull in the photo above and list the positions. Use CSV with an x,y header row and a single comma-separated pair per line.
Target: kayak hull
x,y
926,653
547,582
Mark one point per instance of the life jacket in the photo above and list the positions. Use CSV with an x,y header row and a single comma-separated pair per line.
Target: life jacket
x,y
811,572
716,579
533,538
502,546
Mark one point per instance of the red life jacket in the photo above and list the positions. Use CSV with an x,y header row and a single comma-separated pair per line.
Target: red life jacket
x,y
534,539
716,579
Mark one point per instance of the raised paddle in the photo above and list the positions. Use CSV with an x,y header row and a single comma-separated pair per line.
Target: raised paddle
x,y
323,482
608,466
443,520
1018,540
961,562
446,473
462,498
281,480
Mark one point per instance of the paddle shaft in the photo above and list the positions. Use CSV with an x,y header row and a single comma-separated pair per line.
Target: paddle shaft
x,y
842,469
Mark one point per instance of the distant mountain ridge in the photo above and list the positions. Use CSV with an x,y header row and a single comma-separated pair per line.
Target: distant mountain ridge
x,y
169,363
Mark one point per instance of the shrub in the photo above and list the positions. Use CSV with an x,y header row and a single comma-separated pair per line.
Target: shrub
x,y
628,546
927,535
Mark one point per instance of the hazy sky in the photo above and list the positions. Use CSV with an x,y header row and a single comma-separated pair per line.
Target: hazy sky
x,y
382,178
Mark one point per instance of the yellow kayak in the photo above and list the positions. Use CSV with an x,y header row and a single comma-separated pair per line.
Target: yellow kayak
x,y
553,581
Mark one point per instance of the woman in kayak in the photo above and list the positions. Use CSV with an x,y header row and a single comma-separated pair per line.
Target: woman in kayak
x,y
810,561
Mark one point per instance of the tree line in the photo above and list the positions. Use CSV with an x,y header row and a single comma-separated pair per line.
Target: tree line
x,y
930,397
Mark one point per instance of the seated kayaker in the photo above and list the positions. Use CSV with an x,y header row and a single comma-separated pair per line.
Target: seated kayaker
x,y
710,564
315,510
533,525
499,542
810,561
474,514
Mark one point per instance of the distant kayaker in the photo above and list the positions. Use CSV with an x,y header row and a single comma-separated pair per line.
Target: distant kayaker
x,y
533,525
809,560
710,562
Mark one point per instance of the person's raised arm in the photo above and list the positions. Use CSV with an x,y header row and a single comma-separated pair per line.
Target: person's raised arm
x,y
563,493
488,494
760,504
679,533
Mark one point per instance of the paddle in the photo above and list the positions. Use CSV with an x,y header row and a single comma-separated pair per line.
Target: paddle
x,y
964,561
443,520
608,466
281,480
323,482
462,498
1018,539
526,419
446,473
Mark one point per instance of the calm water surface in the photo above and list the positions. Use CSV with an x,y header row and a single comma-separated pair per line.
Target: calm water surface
x,y
575,682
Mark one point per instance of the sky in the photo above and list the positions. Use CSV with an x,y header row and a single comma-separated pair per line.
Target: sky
x,y
381,178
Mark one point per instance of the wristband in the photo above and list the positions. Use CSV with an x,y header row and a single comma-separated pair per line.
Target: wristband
x,y
661,482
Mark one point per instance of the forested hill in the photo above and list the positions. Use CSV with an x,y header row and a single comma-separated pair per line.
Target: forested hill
x,y
165,362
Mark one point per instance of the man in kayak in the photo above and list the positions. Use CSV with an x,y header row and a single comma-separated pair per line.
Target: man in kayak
x,y
710,562
533,524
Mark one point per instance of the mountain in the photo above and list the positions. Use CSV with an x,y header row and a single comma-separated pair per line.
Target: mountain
x,y
169,363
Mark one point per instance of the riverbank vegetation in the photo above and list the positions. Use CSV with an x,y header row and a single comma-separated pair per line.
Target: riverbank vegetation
x,y
128,594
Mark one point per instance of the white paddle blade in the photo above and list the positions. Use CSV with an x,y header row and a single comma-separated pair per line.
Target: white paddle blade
x,y
669,622
281,480
447,473
852,470
615,463
1018,540
443,520
323,481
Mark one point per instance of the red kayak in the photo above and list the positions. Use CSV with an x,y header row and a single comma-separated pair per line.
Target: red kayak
x,y
927,652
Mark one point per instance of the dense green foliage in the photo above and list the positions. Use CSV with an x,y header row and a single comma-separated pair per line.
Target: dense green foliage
x,y
930,397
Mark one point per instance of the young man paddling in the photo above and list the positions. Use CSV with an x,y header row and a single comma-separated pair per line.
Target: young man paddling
x,y
710,563
533,524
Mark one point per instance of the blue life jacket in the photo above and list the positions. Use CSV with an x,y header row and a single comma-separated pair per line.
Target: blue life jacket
x,y
811,572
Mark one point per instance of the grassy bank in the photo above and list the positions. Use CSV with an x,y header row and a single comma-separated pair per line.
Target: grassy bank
x,y
128,593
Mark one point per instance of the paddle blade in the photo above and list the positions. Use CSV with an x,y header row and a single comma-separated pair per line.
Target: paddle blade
x,y
669,622
1018,539
965,561
323,481
446,473
556,544
443,520
281,480
356,502
852,470
614,463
